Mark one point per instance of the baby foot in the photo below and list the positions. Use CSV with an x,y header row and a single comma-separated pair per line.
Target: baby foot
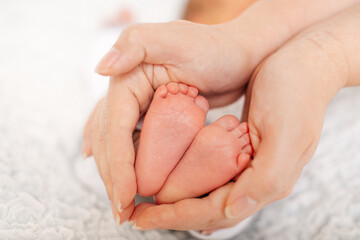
x,y
175,116
219,152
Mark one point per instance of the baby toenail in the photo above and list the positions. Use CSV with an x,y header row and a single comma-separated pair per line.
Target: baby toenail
x,y
173,88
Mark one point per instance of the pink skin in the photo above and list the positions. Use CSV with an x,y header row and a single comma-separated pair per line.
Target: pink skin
x,y
175,116
225,65
219,152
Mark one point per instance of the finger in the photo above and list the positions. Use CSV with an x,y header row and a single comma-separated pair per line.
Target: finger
x,y
139,209
248,91
124,216
150,43
118,146
98,146
127,212
86,148
194,213
128,96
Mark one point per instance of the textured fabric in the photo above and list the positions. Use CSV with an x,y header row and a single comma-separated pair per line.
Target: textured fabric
x,y
44,102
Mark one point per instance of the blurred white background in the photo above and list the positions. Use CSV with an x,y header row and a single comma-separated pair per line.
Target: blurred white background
x,y
46,46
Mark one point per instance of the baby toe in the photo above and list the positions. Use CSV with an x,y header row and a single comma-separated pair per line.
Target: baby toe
x,y
173,88
161,92
183,88
202,103
192,92
228,122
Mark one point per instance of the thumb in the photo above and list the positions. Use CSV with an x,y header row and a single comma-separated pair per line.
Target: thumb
x,y
152,43
269,177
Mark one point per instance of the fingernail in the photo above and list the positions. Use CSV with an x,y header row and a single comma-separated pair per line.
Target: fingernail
x,y
134,227
117,219
239,206
108,61
116,214
205,232
116,200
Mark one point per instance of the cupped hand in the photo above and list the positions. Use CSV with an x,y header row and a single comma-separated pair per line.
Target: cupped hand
x,y
145,57
207,57
286,102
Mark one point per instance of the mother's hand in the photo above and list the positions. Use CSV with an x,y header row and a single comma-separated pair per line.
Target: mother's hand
x,y
285,107
207,57
145,57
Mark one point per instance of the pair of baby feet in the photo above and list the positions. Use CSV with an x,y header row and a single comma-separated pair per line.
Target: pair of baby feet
x,y
178,157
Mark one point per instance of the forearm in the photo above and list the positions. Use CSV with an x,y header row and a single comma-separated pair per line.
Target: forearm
x,y
338,41
344,30
321,59
268,24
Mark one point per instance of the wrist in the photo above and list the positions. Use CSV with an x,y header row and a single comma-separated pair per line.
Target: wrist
x,y
248,39
248,47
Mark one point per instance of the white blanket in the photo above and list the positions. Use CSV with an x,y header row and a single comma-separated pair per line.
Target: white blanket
x,y
45,100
